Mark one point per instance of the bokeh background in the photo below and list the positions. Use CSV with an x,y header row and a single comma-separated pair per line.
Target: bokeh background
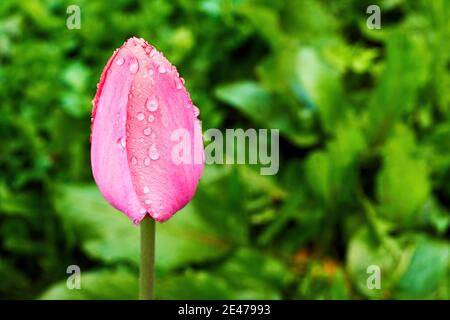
x,y
364,120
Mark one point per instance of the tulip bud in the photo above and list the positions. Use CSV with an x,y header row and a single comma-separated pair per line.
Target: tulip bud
x,y
140,102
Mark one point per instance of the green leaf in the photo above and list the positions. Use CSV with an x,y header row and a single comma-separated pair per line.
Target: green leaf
x,y
100,284
259,105
321,85
110,236
396,89
187,239
76,76
332,174
322,280
365,250
403,184
248,269
225,214
413,266
193,285
105,233
245,275
427,271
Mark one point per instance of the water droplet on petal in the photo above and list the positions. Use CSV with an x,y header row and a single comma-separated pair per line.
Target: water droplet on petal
x,y
146,190
162,69
122,142
147,201
140,116
147,161
153,152
134,66
147,131
196,111
150,71
152,104
142,210
133,160
120,61
151,118
178,83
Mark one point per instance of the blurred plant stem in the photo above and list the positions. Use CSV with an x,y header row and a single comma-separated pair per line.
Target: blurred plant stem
x,y
146,271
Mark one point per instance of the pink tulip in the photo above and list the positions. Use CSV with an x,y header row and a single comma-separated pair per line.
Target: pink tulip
x,y
140,102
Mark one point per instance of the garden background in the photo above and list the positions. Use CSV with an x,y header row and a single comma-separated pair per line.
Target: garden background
x,y
364,120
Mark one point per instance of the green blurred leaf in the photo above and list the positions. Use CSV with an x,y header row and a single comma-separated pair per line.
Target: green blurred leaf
x,y
364,250
259,106
117,284
332,174
403,184
193,285
323,280
321,85
396,89
427,271
248,270
110,236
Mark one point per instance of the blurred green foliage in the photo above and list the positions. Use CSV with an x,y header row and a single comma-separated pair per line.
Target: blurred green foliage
x,y
364,118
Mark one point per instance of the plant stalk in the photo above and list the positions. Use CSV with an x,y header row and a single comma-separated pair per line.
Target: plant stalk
x,y
146,271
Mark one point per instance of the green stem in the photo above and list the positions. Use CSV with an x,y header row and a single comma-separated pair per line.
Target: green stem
x,y
146,276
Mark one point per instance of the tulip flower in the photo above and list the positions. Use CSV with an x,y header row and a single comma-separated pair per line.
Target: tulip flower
x,y
140,102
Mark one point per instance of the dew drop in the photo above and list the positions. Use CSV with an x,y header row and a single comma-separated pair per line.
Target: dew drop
x,y
147,202
147,131
134,66
178,83
196,111
120,61
147,161
153,152
146,190
152,104
122,142
151,118
162,69
140,116
142,210
150,71
133,160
